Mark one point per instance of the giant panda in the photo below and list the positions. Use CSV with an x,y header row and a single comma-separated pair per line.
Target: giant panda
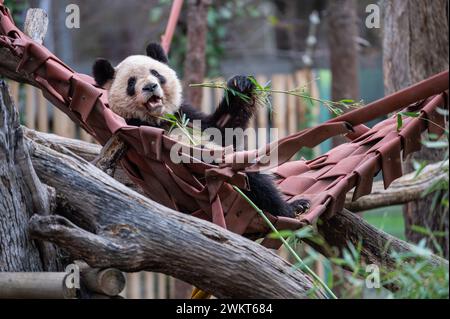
x,y
143,88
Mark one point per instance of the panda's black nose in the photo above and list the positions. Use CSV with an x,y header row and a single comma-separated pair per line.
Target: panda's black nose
x,y
151,87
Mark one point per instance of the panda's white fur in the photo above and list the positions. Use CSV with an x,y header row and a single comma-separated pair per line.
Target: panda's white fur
x,y
140,66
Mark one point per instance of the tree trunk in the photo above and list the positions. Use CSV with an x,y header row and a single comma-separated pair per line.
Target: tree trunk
x,y
195,64
22,195
342,34
416,47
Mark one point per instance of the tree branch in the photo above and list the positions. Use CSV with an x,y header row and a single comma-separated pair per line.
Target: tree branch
x,y
377,246
406,189
125,230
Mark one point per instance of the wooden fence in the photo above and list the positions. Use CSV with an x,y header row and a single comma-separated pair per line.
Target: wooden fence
x,y
289,115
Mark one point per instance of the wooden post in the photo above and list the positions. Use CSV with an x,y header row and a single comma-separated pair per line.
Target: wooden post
x,y
35,285
109,281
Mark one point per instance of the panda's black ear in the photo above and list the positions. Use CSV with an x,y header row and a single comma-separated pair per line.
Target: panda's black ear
x,y
103,71
156,51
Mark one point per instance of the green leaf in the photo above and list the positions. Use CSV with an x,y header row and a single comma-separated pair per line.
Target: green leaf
x,y
399,122
410,114
282,233
419,167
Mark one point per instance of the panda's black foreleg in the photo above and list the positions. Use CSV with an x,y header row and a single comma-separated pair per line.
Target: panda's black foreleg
x,y
234,111
267,197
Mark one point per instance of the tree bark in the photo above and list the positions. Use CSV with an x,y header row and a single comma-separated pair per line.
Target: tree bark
x,y
342,34
22,195
108,225
377,246
416,47
195,64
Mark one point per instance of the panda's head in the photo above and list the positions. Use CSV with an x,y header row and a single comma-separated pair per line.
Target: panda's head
x,y
141,87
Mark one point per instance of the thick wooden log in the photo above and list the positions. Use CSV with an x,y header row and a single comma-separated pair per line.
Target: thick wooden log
x,y
72,147
35,285
21,195
124,230
108,282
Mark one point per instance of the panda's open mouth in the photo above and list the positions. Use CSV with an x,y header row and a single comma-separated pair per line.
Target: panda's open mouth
x,y
154,104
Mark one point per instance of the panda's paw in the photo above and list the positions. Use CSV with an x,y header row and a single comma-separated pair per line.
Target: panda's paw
x,y
300,206
242,84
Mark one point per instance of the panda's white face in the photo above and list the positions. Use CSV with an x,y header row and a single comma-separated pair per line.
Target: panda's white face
x,y
144,88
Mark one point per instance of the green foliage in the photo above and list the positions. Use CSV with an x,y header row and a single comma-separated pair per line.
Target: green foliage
x,y
16,8
412,273
264,92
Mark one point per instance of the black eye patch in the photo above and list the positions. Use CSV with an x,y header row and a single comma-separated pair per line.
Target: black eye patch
x,y
131,88
162,80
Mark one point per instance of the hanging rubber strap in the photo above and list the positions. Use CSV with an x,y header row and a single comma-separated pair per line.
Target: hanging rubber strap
x,y
166,38
289,146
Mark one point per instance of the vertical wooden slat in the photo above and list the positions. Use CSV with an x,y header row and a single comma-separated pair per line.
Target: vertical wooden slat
x,y
42,113
262,119
302,106
162,286
133,286
14,88
30,111
292,115
62,125
149,282
279,106
314,89
172,288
